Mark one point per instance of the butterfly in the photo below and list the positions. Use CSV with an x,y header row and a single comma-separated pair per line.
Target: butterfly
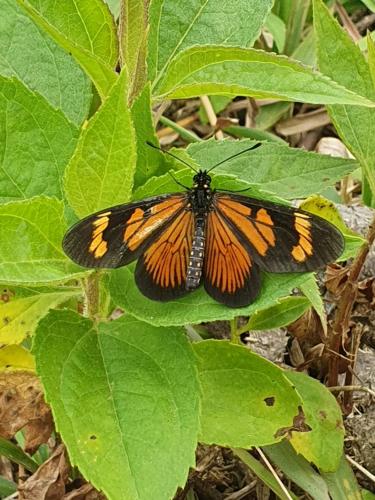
x,y
219,238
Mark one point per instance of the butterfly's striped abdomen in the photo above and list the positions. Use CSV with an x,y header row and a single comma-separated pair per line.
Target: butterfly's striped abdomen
x,y
194,270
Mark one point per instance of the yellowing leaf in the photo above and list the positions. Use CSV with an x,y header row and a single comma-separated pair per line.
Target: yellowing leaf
x,y
15,357
326,209
19,318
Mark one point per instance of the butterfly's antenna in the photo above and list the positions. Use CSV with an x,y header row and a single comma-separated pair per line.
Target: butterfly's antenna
x,y
235,155
171,154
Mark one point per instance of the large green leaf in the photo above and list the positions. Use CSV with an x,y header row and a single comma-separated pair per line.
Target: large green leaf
x,y
86,32
36,143
175,27
249,72
36,60
87,23
19,317
196,306
148,158
343,61
288,172
133,34
246,400
324,443
30,243
125,399
101,171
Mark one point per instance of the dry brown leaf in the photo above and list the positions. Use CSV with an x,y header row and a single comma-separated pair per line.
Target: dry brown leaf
x,y
85,492
22,406
48,482
336,279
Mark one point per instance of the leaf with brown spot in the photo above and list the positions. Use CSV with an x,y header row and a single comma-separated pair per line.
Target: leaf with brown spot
x,y
22,406
48,482
299,425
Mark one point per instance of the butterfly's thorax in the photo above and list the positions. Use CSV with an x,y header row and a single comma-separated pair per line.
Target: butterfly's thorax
x,y
200,202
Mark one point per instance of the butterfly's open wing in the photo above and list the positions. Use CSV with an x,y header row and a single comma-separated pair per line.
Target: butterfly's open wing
x,y
281,238
230,274
116,236
161,270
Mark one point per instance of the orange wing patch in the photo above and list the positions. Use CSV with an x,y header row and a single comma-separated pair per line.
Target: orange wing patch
x,y
98,245
142,223
166,260
304,248
227,263
258,230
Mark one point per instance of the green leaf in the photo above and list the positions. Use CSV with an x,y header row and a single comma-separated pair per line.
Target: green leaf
x,y
237,22
280,314
19,317
133,32
7,487
100,174
114,6
15,357
324,443
125,398
40,64
289,172
87,23
371,56
88,33
370,4
249,72
277,28
341,60
197,306
38,226
264,475
246,400
148,158
17,455
295,23
342,484
270,114
37,142
298,469
310,289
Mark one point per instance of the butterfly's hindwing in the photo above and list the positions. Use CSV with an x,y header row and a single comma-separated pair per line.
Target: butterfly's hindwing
x,y
230,274
281,238
116,236
161,271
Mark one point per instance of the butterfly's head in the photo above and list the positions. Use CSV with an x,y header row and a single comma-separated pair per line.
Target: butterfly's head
x,y
202,179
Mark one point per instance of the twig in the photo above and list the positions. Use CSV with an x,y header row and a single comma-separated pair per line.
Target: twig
x,y
273,472
361,468
345,307
212,118
351,388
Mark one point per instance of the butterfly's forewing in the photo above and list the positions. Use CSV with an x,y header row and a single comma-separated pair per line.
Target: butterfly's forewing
x,y
281,238
161,270
116,236
230,274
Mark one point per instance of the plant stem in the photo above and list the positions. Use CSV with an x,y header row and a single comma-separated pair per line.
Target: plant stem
x,y
344,311
91,296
